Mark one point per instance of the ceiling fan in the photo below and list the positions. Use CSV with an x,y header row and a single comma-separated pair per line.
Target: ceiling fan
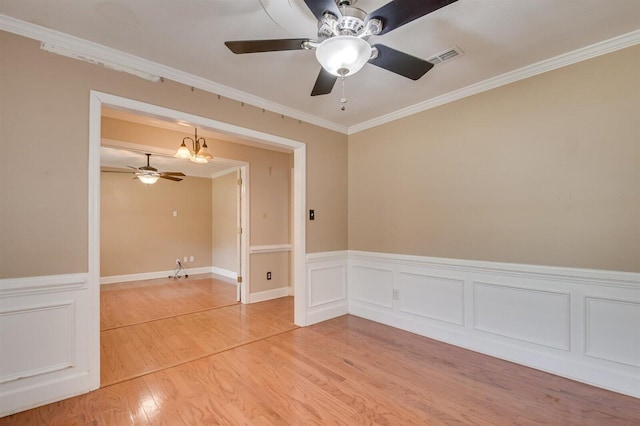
x,y
150,175
342,47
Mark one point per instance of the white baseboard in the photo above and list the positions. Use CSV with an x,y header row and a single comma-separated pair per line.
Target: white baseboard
x,y
224,272
269,294
153,275
327,312
575,323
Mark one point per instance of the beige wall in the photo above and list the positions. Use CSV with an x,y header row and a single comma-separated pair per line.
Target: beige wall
x,y
225,216
276,263
44,104
138,232
543,171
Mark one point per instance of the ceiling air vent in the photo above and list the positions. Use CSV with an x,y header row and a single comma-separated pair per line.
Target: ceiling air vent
x,y
446,55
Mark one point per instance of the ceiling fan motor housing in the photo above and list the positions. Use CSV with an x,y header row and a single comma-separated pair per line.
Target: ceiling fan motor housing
x,y
352,22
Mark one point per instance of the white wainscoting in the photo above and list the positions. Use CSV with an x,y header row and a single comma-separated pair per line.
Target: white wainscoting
x,y
431,297
326,286
526,314
577,323
44,335
605,338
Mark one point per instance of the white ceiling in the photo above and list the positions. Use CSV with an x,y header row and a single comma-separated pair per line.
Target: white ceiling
x,y
496,36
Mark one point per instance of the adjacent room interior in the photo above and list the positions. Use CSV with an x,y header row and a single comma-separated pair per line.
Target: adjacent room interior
x,y
192,212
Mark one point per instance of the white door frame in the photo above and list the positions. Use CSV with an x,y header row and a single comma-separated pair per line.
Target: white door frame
x,y
240,221
97,101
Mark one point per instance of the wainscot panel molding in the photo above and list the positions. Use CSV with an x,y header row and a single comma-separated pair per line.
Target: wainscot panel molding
x,y
157,274
271,248
14,287
577,323
327,286
604,338
50,364
530,315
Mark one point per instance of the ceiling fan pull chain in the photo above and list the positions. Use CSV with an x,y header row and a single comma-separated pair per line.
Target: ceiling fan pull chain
x,y
343,99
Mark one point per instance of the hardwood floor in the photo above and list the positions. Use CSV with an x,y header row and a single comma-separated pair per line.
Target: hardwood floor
x,y
131,351
152,325
344,371
136,302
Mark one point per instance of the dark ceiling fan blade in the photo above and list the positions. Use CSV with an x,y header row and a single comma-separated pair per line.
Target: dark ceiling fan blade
x,y
399,12
319,7
324,83
400,62
173,173
170,178
256,46
131,167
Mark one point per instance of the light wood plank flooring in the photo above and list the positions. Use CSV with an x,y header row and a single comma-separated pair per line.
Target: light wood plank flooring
x,y
136,302
344,371
131,351
152,325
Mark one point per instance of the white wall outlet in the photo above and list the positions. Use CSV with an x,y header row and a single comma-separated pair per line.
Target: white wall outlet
x,y
191,258
175,213
185,259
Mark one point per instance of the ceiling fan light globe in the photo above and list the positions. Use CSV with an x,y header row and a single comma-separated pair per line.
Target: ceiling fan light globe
x,y
148,179
340,53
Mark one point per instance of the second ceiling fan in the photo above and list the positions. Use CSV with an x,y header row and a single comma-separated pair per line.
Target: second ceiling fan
x,y
149,175
342,47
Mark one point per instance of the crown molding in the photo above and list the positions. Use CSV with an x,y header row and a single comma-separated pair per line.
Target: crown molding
x,y
588,52
78,48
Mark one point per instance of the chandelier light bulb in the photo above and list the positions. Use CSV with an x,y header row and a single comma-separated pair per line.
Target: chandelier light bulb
x,y
183,152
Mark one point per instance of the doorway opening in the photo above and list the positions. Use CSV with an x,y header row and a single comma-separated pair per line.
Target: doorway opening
x,y
100,100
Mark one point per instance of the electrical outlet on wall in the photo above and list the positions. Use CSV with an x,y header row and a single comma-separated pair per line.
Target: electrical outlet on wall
x,y
268,275
185,259
396,294
191,258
